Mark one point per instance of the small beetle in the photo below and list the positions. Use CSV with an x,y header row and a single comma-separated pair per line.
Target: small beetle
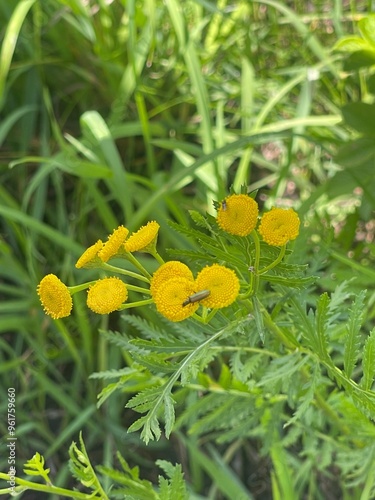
x,y
196,297
224,205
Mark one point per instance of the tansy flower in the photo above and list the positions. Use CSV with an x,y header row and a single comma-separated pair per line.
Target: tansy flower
x,y
113,244
106,295
279,225
171,269
238,214
170,297
55,297
144,238
90,258
222,283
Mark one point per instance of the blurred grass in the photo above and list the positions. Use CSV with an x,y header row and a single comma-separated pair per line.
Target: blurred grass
x,y
120,112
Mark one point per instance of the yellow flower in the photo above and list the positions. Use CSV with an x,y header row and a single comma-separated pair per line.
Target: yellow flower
x,y
238,214
171,269
106,295
113,244
55,297
279,225
222,283
171,295
90,258
144,238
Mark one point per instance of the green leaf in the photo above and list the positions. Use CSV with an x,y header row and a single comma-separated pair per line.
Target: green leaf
x,y
283,473
360,116
368,362
9,41
367,28
81,468
175,487
359,59
351,44
321,323
353,327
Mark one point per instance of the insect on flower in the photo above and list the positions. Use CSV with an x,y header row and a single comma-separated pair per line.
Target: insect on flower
x,y
224,205
196,297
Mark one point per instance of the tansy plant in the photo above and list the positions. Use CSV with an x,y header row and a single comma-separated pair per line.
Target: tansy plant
x,y
173,289
217,287
233,344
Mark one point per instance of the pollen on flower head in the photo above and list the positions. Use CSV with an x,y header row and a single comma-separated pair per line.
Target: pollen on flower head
x,y
144,238
238,215
278,226
90,258
223,284
55,297
170,297
114,243
171,269
106,295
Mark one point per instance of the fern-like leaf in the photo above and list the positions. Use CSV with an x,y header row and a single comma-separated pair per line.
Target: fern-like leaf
x,y
368,362
173,488
353,327
35,467
81,468
321,325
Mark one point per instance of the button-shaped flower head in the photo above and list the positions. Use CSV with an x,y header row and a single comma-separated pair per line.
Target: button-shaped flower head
x,y
55,297
171,269
90,258
238,214
114,243
106,295
144,239
278,226
222,283
171,295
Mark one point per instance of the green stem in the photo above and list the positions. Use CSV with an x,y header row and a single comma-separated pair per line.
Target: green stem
x,y
138,265
119,270
254,276
275,262
78,288
157,256
209,316
139,303
45,489
137,289
289,343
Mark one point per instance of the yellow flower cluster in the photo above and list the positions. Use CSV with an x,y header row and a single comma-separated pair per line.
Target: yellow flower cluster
x,y
55,297
238,215
105,295
175,292
278,226
177,295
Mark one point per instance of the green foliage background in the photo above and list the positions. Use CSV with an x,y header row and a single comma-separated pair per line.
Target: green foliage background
x,y
121,112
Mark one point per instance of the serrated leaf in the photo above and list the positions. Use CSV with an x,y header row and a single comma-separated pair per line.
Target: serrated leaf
x,y
258,317
321,325
353,327
198,218
306,400
169,415
174,488
289,281
368,362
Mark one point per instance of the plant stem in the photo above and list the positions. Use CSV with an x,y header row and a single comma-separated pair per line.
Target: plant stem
x,y
119,270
